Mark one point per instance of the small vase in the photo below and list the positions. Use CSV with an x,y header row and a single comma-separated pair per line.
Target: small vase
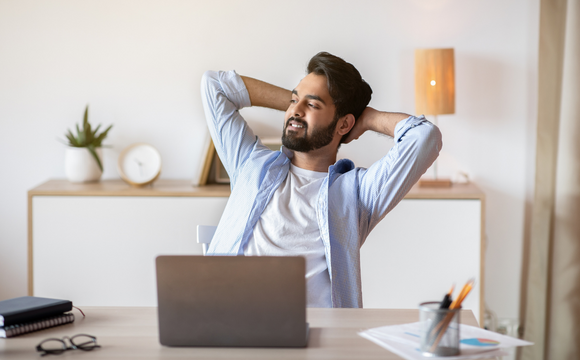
x,y
80,166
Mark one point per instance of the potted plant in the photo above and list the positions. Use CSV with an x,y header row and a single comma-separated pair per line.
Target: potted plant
x,y
84,156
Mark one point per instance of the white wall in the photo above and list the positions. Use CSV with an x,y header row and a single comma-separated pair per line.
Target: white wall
x,y
138,65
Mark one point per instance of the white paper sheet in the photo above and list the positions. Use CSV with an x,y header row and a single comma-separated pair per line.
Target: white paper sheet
x,y
475,343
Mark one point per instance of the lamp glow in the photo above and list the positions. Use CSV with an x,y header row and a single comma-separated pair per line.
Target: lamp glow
x,y
433,82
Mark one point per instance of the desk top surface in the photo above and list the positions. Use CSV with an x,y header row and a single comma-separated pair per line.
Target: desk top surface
x,y
184,188
126,332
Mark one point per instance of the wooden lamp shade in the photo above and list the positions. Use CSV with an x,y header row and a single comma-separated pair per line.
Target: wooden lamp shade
x,y
434,81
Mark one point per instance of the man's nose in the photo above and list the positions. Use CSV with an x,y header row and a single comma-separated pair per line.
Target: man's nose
x,y
298,109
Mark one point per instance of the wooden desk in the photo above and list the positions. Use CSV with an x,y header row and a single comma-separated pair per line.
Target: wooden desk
x,y
131,333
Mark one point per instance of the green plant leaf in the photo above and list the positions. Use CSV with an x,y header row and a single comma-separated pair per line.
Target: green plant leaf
x,y
86,128
87,137
88,134
91,149
81,139
77,141
99,139
86,117
71,139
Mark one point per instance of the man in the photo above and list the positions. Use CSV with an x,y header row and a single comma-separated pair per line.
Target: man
x,y
300,200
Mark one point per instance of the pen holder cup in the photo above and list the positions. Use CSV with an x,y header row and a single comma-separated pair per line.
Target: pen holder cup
x,y
439,330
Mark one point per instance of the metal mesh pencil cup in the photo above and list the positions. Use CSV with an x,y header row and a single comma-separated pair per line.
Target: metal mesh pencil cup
x,y
439,330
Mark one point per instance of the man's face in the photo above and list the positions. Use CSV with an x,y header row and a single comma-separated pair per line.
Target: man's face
x,y
310,121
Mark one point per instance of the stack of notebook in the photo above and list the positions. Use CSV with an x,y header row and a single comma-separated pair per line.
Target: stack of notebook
x,y
29,313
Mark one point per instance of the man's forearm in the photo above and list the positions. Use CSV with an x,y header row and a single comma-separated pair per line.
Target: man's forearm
x,y
267,95
385,122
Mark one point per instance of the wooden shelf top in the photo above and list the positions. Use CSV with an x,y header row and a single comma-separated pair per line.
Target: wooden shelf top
x,y
184,188
456,191
117,187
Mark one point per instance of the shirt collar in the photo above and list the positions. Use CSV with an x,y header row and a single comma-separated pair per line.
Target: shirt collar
x,y
341,166
289,153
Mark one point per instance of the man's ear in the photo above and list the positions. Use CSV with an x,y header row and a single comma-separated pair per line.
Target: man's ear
x,y
345,124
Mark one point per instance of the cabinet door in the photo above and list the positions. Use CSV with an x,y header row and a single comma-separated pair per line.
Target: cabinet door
x,y
419,251
100,251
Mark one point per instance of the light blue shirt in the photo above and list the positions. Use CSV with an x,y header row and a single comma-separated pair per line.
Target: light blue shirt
x,y
351,200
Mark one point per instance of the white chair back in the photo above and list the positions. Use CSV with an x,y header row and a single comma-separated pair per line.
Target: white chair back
x,y
204,235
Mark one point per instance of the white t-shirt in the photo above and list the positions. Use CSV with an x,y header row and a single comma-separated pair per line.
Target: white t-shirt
x,y
288,226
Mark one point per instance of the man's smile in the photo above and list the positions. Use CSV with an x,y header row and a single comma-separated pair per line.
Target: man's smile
x,y
294,123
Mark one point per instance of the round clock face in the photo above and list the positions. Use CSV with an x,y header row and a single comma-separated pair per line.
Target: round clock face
x,y
139,164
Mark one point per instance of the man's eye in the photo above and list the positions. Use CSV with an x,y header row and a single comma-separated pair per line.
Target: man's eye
x,y
313,106
292,101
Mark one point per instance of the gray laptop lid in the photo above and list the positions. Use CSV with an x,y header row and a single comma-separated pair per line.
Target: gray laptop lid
x,y
257,301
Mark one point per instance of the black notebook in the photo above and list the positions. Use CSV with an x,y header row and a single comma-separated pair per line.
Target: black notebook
x,y
20,329
29,308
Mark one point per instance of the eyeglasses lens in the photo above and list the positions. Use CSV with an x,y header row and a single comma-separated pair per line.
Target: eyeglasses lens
x,y
53,346
84,342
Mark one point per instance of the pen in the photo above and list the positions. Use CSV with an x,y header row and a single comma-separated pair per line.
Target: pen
x,y
447,299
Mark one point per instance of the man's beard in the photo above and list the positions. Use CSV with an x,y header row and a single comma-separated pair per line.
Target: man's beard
x,y
304,143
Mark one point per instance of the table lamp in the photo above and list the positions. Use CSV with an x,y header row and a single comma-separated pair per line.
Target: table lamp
x,y
434,92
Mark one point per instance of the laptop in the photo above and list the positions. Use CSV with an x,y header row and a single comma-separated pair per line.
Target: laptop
x,y
240,301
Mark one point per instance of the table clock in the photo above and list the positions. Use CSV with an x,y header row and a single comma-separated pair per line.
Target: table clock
x,y
139,164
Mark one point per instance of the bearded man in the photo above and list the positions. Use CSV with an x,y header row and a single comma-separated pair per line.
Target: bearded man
x,y
300,200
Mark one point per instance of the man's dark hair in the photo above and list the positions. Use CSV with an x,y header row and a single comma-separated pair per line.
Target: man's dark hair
x,y
349,92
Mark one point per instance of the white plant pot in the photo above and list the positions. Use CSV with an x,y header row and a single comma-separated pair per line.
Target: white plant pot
x,y
80,166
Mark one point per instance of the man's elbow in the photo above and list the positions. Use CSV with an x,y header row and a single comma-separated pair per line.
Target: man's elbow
x,y
209,80
436,137
430,141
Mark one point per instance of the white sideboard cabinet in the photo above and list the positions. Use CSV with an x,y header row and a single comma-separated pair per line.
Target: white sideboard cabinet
x,y
95,244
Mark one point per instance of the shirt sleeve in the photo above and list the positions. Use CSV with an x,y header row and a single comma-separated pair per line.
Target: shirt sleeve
x,y
386,182
224,94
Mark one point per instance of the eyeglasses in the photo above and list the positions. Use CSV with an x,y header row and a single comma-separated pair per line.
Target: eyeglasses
x,y
55,346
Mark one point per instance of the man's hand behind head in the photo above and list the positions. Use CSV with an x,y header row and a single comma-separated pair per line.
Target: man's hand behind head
x,y
374,120
361,125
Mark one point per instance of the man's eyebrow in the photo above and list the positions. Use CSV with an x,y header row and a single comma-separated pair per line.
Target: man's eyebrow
x,y
313,97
